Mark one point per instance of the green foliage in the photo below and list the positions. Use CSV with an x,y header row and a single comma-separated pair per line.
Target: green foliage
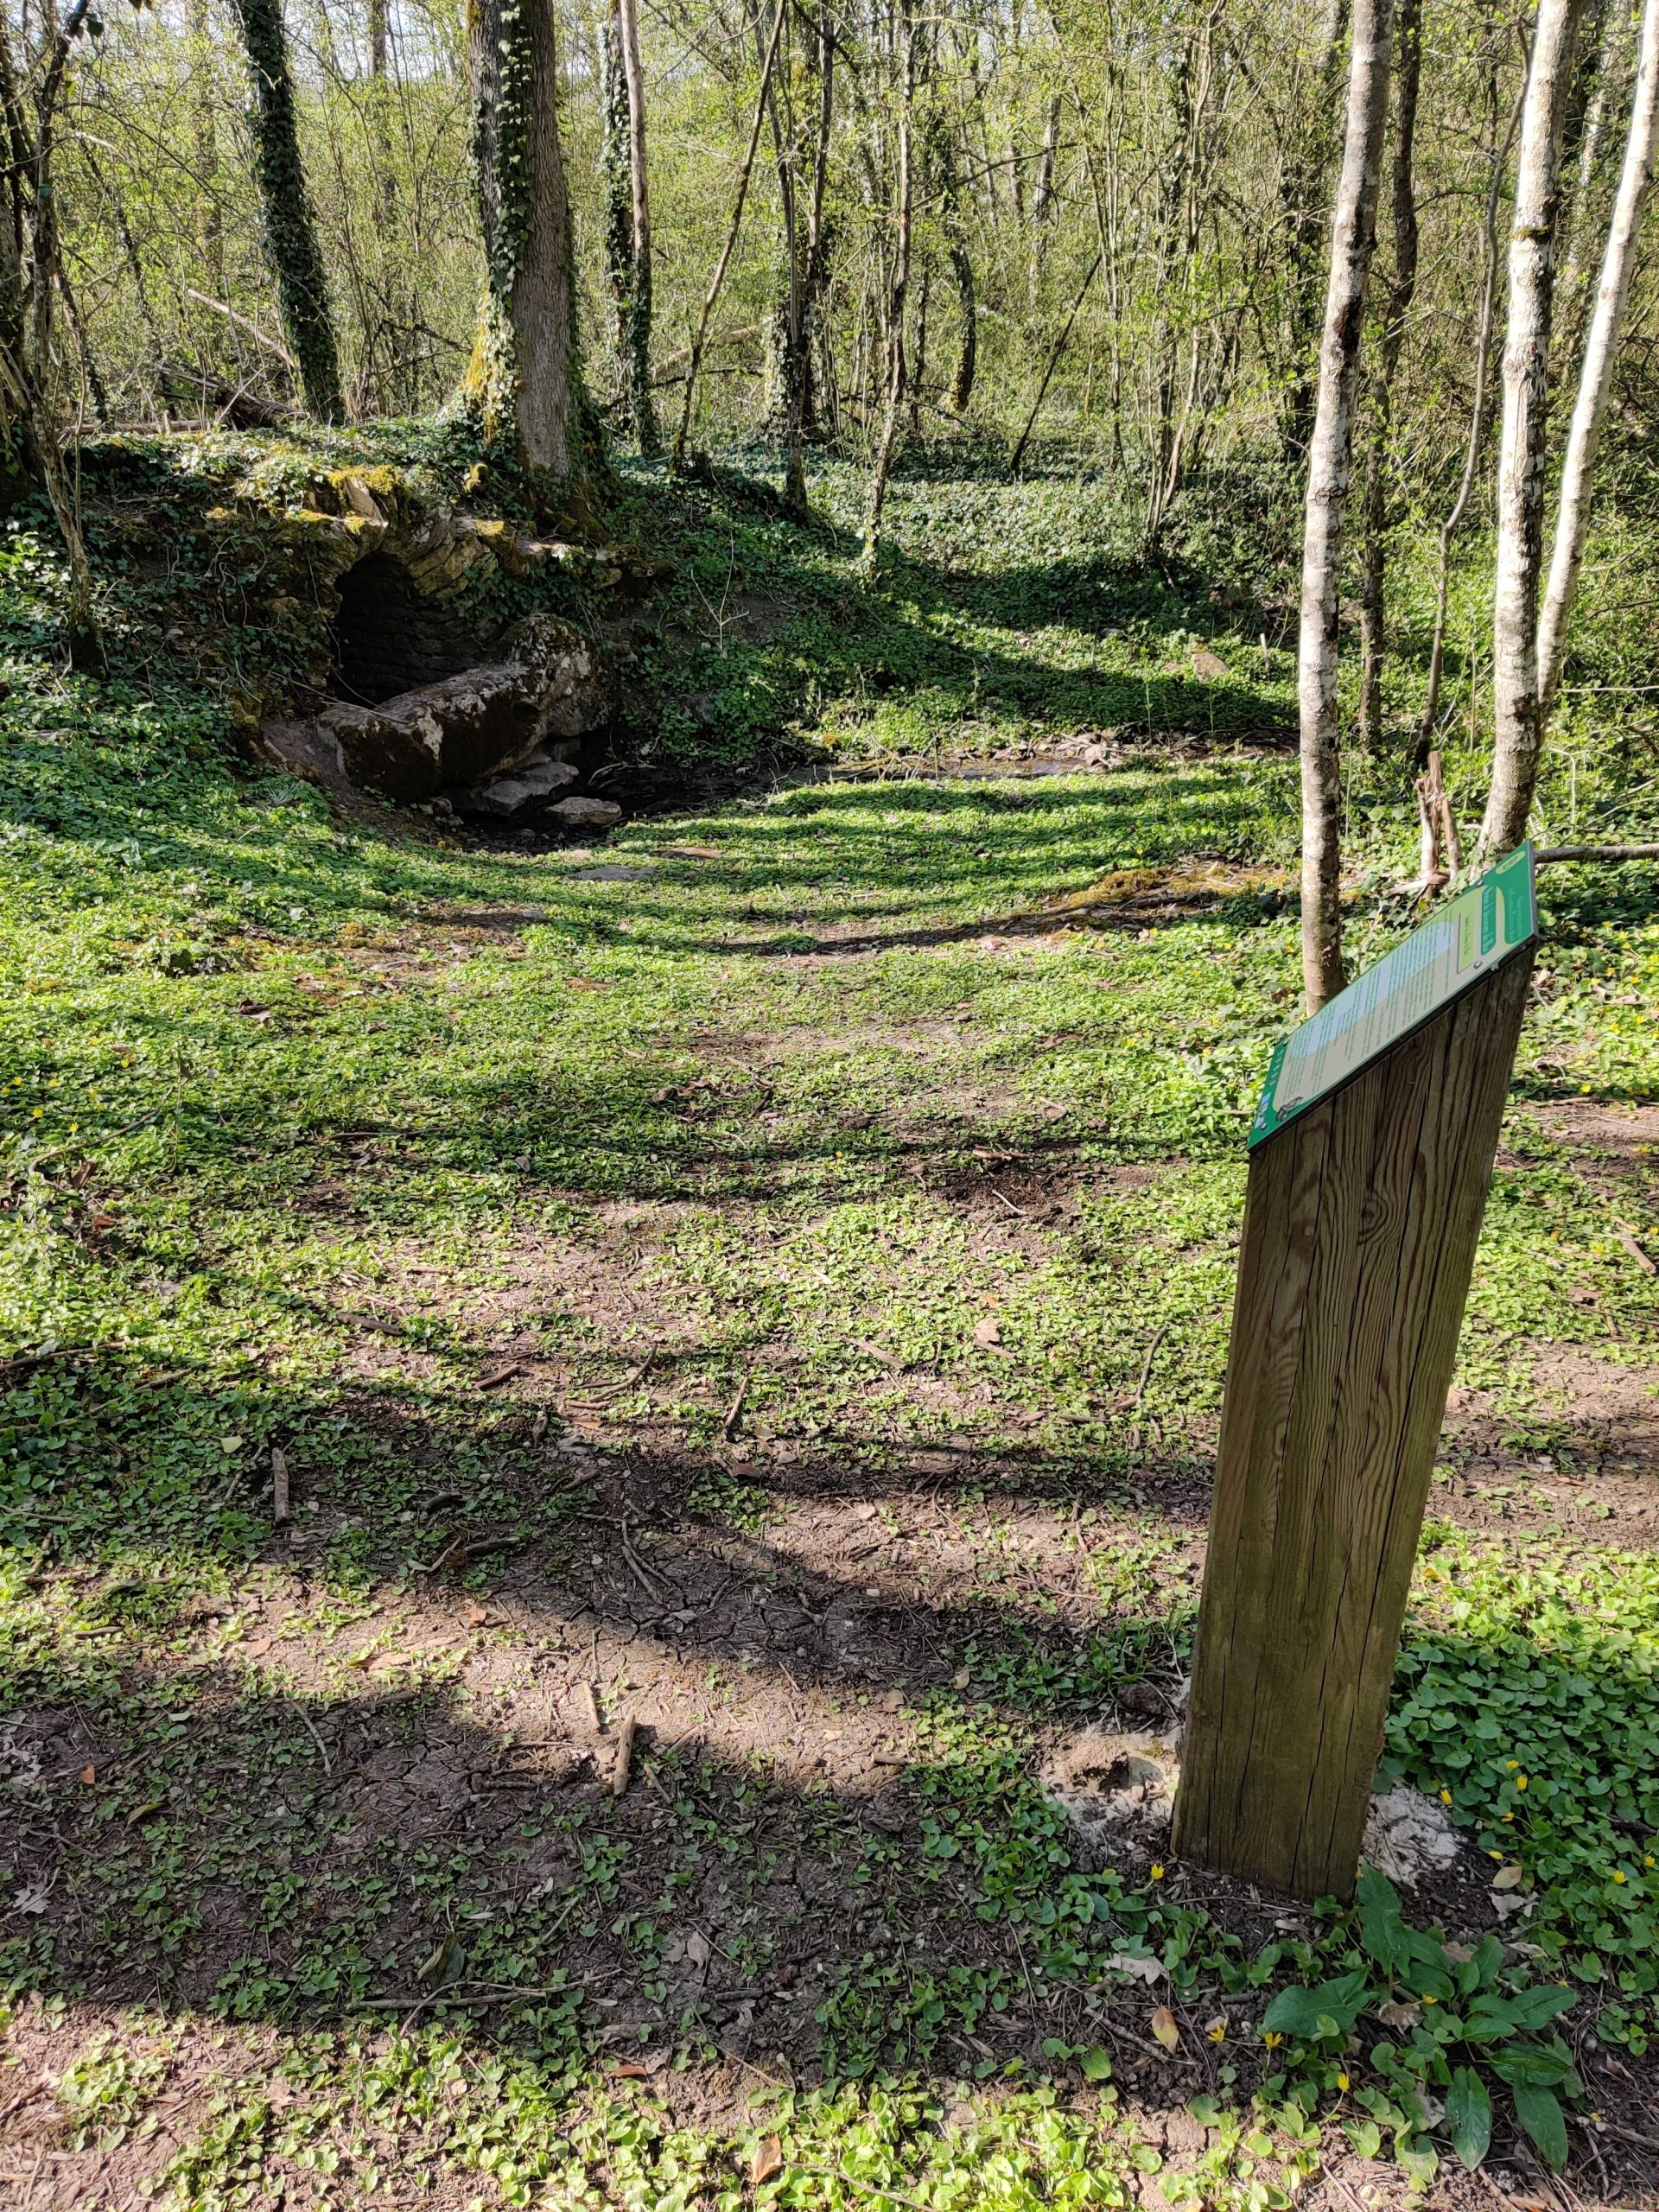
x,y
253,1079
1528,1697
1455,2013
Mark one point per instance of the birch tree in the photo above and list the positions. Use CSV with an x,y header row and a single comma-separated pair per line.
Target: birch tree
x,y
1353,240
898,292
1523,444
1596,375
1400,291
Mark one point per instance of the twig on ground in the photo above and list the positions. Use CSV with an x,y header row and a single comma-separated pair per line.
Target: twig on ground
x,y
622,1772
322,1748
1646,1266
869,2188
279,1508
590,1697
734,1411
1624,2134
1140,1387
1146,1364
457,1994
639,1574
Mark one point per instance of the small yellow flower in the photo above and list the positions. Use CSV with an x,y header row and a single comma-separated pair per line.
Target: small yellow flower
x,y
1619,1875
1511,1764
1495,1854
1446,1796
1648,1860
1508,1817
1272,2037
1157,1873
1431,2000
1520,1781
1216,2030
1342,2081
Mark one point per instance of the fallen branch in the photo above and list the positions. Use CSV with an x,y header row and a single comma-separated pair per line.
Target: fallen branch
x,y
259,337
734,1411
1546,854
622,1772
322,1749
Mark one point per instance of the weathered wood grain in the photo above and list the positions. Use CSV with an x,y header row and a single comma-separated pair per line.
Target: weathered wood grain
x,y
1361,1220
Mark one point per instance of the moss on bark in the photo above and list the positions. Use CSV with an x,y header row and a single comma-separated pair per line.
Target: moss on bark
x,y
289,228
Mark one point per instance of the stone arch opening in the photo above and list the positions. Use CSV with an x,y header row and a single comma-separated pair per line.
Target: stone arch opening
x,y
388,637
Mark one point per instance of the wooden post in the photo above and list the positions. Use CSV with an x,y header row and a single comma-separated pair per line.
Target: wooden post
x,y
1368,1180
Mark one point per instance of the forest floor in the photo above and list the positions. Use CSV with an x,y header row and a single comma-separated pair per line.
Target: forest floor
x,y
738,1314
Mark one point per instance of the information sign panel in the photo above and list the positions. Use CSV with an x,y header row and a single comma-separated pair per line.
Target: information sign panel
x,y
1457,945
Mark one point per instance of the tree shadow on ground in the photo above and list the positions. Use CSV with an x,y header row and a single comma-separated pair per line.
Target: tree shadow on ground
x,y
298,1782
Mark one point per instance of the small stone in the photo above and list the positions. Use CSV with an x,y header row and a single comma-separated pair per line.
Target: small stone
x,y
585,814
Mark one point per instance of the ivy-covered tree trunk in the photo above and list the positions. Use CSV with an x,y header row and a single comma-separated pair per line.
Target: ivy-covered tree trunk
x,y
525,377
289,229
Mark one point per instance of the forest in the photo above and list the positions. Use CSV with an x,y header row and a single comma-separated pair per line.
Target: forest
x,y
729,1480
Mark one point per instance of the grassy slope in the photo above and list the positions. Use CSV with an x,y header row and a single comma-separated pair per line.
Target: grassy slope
x,y
308,1132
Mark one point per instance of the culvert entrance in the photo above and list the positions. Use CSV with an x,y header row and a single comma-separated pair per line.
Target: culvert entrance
x,y
389,638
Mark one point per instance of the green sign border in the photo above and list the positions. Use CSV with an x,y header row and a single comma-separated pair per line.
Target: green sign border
x,y
1492,918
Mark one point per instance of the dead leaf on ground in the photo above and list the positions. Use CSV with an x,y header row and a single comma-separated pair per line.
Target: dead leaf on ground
x,y
1126,1962
1507,1877
766,2160
1397,2015
987,1332
1164,2027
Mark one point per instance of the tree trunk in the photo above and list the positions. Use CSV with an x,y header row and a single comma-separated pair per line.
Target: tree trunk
x,y
1526,422
1402,287
1595,379
897,297
619,193
918,371
524,376
962,384
816,277
1303,193
30,276
209,230
1459,508
288,226
790,330
699,337
1353,237
1042,205
645,412
1580,222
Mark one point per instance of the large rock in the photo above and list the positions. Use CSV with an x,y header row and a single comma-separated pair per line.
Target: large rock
x,y
522,795
584,814
545,681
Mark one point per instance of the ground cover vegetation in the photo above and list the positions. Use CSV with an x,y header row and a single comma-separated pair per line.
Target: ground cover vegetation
x,y
602,1443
